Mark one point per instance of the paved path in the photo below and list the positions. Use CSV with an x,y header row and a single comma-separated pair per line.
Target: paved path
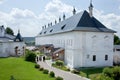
x,y
61,73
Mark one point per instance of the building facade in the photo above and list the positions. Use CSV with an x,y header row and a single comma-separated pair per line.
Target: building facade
x,y
11,45
86,41
116,56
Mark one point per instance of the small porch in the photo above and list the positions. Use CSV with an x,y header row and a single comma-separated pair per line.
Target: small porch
x,y
58,54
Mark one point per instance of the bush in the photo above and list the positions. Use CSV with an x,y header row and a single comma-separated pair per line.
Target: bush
x,y
52,74
59,63
41,69
45,71
47,58
75,71
37,66
68,69
30,56
58,78
108,72
112,73
12,78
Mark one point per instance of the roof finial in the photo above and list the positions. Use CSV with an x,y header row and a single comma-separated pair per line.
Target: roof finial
x,y
91,9
74,11
18,30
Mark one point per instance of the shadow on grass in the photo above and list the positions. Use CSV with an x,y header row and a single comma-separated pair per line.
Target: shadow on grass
x,y
87,72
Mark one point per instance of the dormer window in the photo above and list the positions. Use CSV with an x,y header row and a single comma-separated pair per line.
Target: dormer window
x,y
51,30
63,27
45,32
40,33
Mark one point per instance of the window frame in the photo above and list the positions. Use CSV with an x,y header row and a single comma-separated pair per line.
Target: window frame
x,y
94,57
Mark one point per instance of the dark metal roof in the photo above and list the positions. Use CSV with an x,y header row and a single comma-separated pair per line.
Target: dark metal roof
x,y
18,38
81,22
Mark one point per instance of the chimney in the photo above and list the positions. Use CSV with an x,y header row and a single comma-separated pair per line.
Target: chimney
x,y
51,23
59,19
55,22
45,26
74,11
42,27
91,9
48,24
64,16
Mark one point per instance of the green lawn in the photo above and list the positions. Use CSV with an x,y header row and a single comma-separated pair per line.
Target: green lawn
x,y
92,73
20,69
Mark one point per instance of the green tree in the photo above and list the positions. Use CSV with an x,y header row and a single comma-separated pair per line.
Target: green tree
x,y
8,30
111,73
30,56
116,40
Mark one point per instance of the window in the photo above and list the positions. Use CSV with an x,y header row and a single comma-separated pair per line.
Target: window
x,y
63,27
106,57
51,30
45,32
117,49
40,33
94,57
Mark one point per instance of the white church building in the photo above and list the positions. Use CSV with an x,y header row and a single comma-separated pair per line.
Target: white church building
x,y
85,41
11,45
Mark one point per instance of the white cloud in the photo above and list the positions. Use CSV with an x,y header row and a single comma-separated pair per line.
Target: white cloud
x,y
58,6
55,9
30,24
119,7
25,20
110,20
1,1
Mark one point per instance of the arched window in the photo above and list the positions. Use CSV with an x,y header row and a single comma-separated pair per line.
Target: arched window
x,y
16,50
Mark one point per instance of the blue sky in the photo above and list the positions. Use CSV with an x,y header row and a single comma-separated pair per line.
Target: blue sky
x,y
30,15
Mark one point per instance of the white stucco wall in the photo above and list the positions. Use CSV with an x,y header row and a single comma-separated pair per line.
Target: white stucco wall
x,y
78,45
8,48
96,43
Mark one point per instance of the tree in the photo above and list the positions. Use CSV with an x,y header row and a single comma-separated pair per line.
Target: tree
x,y
30,56
116,40
9,31
111,73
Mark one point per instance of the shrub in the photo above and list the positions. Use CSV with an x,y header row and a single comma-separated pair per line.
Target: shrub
x,y
53,64
108,72
45,71
41,69
75,71
58,78
37,66
48,58
68,69
30,56
12,78
112,73
59,63
52,74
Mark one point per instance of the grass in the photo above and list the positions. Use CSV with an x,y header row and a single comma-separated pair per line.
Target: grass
x,y
20,69
60,67
92,73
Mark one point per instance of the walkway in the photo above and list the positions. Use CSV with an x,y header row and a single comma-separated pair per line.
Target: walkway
x,y
61,73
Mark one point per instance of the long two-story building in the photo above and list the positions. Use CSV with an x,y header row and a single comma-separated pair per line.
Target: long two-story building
x,y
85,40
